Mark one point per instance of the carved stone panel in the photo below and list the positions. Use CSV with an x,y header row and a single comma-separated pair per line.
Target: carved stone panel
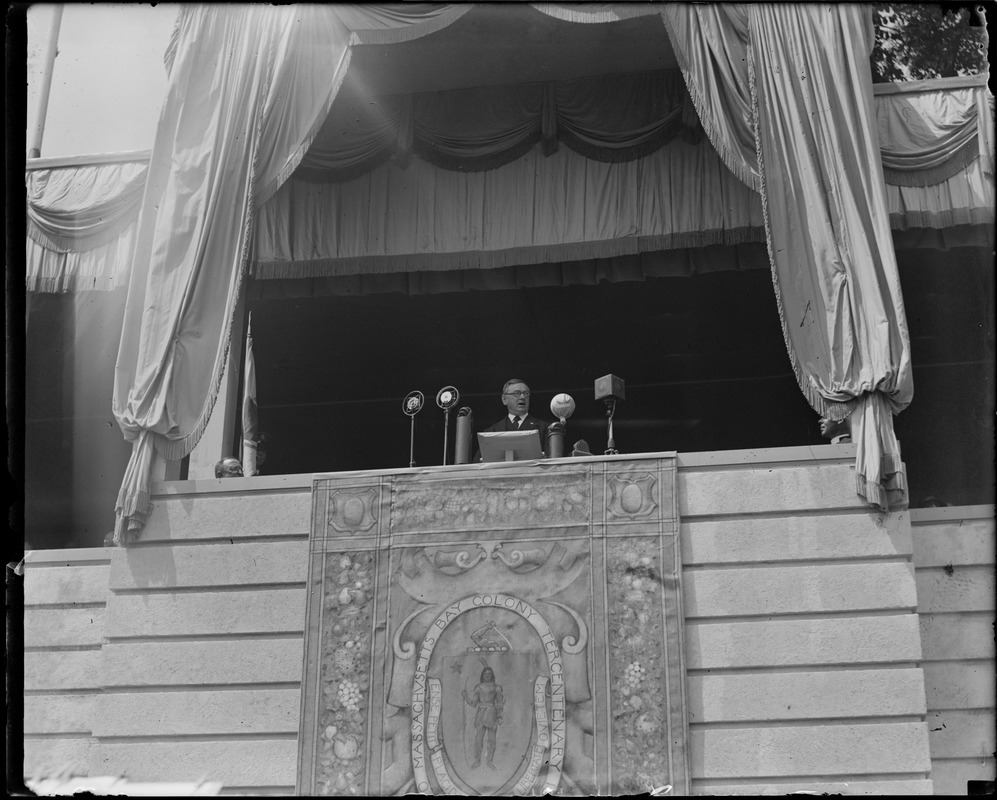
x,y
503,635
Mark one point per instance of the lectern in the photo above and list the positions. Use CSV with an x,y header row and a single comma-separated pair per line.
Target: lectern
x,y
509,445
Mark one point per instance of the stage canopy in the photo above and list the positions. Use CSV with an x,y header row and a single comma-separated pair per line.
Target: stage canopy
x,y
361,144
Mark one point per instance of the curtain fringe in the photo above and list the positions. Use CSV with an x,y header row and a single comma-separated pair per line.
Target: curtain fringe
x,y
892,492
411,32
295,159
134,506
456,163
668,129
65,284
80,244
307,172
741,170
948,218
515,256
568,14
920,178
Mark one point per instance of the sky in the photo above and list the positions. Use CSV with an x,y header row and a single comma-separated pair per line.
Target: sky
x,y
108,82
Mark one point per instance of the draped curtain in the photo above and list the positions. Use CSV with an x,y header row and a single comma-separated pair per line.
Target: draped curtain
x,y
81,225
833,265
250,86
935,139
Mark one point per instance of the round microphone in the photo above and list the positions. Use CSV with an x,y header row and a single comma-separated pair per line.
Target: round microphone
x,y
562,406
413,402
447,397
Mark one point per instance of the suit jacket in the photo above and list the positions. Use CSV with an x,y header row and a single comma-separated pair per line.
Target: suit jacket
x,y
528,423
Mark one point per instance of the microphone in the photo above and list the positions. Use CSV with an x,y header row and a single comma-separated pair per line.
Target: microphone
x,y
412,405
446,399
465,430
609,389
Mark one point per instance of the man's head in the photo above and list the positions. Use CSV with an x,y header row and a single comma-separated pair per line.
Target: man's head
x,y
516,396
829,428
228,468
487,676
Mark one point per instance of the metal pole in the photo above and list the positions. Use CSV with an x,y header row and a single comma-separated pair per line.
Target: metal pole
x,y
446,432
48,67
411,443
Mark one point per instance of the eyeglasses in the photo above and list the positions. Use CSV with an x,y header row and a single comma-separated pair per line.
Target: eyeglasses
x,y
517,394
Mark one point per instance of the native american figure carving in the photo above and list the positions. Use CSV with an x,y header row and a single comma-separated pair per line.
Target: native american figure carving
x,y
469,614
488,701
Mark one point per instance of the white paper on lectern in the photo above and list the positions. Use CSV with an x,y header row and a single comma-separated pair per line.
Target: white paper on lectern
x,y
525,445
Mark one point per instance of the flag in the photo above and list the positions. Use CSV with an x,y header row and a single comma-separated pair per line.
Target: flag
x,y
249,412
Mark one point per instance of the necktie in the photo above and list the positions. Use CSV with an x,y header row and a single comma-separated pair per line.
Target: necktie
x,y
516,421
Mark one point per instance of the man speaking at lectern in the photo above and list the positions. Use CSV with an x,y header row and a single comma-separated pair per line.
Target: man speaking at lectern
x,y
516,397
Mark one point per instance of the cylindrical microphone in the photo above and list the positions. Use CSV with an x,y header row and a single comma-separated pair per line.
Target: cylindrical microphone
x,y
555,440
465,430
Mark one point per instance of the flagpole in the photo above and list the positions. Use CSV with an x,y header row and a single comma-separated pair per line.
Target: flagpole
x,y
48,68
250,434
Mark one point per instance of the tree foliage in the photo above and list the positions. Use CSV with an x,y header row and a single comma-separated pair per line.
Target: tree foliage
x,y
915,41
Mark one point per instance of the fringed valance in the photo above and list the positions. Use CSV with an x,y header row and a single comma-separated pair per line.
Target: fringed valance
x,y
926,138
540,209
75,209
608,118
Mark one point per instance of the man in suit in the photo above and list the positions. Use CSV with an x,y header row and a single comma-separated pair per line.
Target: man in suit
x,y
516,399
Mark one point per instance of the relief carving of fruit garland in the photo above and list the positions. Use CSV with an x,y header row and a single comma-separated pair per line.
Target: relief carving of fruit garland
x,y
347,626
638,700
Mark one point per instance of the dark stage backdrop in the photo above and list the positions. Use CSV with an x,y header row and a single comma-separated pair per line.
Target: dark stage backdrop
x,y
703,358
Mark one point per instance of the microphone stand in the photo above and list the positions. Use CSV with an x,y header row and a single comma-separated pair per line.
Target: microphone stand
x,y
446,432
446,398
611,444
411,444
412,405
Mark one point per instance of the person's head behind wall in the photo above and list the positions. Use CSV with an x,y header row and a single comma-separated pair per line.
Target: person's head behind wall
x,y
836,430
228,468
516,397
